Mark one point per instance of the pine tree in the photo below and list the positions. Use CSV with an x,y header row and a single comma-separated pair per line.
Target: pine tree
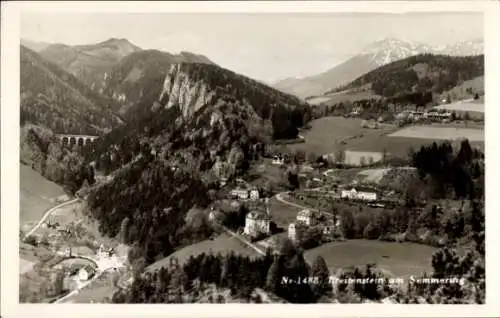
x,y
273,276
319,270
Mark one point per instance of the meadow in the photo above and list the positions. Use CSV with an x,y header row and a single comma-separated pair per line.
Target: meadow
x,y
282,214
327,134
444,133
395,259
344,96
223,244
36,194
471,106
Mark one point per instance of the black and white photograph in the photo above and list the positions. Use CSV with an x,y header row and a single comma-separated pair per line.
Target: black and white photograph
x,y
251,157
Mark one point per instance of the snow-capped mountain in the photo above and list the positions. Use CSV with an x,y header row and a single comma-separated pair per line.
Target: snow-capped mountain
x,y
389,50
473,47
374,55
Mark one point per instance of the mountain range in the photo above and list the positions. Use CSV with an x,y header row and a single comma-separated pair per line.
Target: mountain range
x,y
89,63
56,99
371,57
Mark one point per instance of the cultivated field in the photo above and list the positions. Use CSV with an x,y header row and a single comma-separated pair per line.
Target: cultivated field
x,y
356,157
373,175
443,133
100,291
344,96
223,244
471,107
327,133
282,214
25,266
36,194
397,259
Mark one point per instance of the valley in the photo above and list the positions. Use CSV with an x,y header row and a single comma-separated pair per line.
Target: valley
x,y
152,177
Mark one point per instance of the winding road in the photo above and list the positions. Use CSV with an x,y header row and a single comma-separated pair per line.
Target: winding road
x,y
47,214
103,264
279,197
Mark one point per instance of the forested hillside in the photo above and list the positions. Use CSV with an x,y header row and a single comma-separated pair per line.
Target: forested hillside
x,y
90,63
421,73
206,123
56,99
137,79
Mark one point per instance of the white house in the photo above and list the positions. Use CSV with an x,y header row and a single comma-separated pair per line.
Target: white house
x,y
222,181
278,160
254,194
257,223
240,193
306,216
295,230
292,232
85,273
359,194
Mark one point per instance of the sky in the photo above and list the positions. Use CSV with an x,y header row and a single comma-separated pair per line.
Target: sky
x,y
264,46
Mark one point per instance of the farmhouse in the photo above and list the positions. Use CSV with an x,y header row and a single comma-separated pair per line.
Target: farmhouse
x,y
359,193
257,223
254,194
307,217
295,230
86,272
240,193
278,159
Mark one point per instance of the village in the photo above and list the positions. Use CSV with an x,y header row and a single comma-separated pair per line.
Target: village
x,y
316,222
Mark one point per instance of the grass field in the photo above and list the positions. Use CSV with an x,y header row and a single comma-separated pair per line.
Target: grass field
x,y
327,133
472,106
36,194
355,157
223,244
282,214
334,98
444,133
330,134
397,259
100,291
25,266
373,175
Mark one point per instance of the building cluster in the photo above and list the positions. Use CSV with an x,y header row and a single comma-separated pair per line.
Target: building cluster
x,y
278,159
425,115
306,220
258,223
241,193
359,194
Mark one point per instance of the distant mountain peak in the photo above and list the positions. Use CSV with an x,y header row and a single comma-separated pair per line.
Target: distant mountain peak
x,y
378,53
120,44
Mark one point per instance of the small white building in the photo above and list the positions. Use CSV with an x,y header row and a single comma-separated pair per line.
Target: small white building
x,y
292,232
257,223
240,193
358,194
254,194
102,251
85,273
295,230
278,160
222,181
306,216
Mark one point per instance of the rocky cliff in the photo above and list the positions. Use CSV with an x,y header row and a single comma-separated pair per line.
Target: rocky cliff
x,y
181,90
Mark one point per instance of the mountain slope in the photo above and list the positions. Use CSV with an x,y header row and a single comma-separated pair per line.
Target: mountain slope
x,y
374,55
421,73
33,45
205,123
54,98
90,63
137,79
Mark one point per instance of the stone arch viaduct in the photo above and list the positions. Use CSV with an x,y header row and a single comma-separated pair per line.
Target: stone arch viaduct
x,y
79,140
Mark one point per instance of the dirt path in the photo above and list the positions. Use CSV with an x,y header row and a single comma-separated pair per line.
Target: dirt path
x,y
47,214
